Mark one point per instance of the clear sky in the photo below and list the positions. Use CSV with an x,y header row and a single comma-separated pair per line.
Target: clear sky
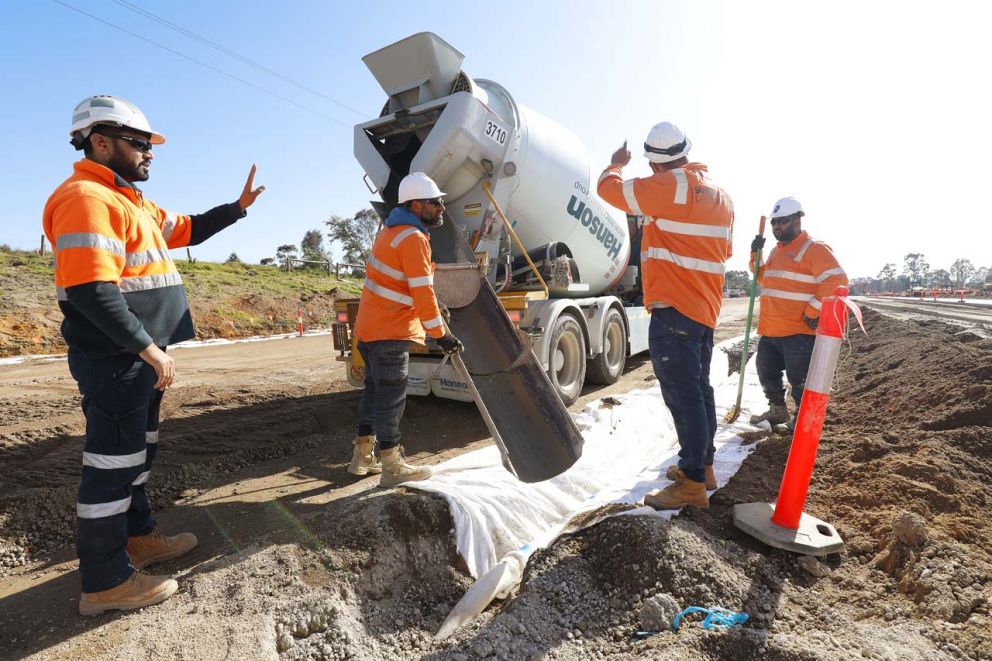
x,y
876,115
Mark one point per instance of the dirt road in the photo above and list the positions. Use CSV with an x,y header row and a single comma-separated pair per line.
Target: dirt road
x,y
246,426
299,559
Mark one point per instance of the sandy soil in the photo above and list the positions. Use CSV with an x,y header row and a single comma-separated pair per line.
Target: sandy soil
x,y
299,559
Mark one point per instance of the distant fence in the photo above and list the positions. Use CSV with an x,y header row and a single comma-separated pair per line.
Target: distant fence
x,y
332,268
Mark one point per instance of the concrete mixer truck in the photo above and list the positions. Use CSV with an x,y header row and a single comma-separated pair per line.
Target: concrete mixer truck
x,y
544,275
573,292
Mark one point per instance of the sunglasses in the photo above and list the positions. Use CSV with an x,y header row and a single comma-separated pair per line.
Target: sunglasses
x,y
140,144
781,221
434,203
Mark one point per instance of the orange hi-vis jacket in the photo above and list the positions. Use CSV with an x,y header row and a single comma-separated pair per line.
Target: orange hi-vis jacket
x,y
398,301
688,235
795,279
115,281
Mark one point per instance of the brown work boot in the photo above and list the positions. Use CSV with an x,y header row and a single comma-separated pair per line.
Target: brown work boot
x,y
363,460
711,484
154,547
395,470
679,494
139,590
775,415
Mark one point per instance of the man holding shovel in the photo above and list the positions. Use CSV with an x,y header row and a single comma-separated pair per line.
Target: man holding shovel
x,y
798,274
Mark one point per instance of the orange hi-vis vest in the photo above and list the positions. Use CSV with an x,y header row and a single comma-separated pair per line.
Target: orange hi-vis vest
x,y
687,239
398,301
795,279
103,230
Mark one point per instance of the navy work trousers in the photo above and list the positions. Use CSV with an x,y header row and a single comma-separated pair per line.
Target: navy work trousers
x,y
681,351
790,354
387,365
121,406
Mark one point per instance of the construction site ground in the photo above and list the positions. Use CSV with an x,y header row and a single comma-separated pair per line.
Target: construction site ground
x,y
300,560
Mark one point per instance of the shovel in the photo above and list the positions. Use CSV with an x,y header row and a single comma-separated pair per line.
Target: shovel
x,y
735,410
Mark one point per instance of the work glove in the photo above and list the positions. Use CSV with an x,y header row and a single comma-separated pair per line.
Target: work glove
x,y
445,312
812,323
450,344
758,243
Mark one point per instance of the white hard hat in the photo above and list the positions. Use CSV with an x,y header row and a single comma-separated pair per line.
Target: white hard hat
x,y
106,109
418,186
787,206
666,142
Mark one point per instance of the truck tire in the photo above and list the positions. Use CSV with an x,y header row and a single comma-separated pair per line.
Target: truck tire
x,y
605,368
567,359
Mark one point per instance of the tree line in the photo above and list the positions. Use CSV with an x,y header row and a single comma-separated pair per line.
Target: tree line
x,y
917,273
352,234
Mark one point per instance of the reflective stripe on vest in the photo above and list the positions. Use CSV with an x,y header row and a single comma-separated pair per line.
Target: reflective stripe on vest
x,y
434,323
378,265
390,294
89,240
792,296
681,186
145,282
628,194
144,257
421,281
790,275
802,251
690,263
829,273
398,239
169,226
692,229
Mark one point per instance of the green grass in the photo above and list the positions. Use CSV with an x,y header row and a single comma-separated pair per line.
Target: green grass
x,y
229,299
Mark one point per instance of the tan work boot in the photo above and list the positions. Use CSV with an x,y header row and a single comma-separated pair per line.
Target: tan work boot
x,y
139,590
363,460
395,470
679,494
775,415
710,483
154,547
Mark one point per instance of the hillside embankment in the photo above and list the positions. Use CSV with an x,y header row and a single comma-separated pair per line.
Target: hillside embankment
x,y
228,300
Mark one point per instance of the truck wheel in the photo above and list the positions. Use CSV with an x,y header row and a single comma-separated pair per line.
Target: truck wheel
x,y
567,359
606,367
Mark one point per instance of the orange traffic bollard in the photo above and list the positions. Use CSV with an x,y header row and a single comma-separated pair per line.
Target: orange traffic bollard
x,y
785,525
299,321
812,411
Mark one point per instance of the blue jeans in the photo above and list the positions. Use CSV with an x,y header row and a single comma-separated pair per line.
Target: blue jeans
x,y
681,351
384,398
121,406
790,354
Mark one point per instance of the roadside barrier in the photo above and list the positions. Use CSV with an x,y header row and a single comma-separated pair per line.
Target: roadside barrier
x,y
299,321
812,411
786,526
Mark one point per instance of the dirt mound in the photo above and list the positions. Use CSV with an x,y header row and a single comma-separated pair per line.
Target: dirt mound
x,y
902,472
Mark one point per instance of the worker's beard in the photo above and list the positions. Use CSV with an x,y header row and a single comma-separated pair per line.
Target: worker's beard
x,y
433,222
127,169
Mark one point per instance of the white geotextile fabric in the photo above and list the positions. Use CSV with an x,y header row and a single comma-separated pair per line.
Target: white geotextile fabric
x,y
628,448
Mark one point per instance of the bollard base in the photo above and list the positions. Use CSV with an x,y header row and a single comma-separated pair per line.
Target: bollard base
x,y
813,537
